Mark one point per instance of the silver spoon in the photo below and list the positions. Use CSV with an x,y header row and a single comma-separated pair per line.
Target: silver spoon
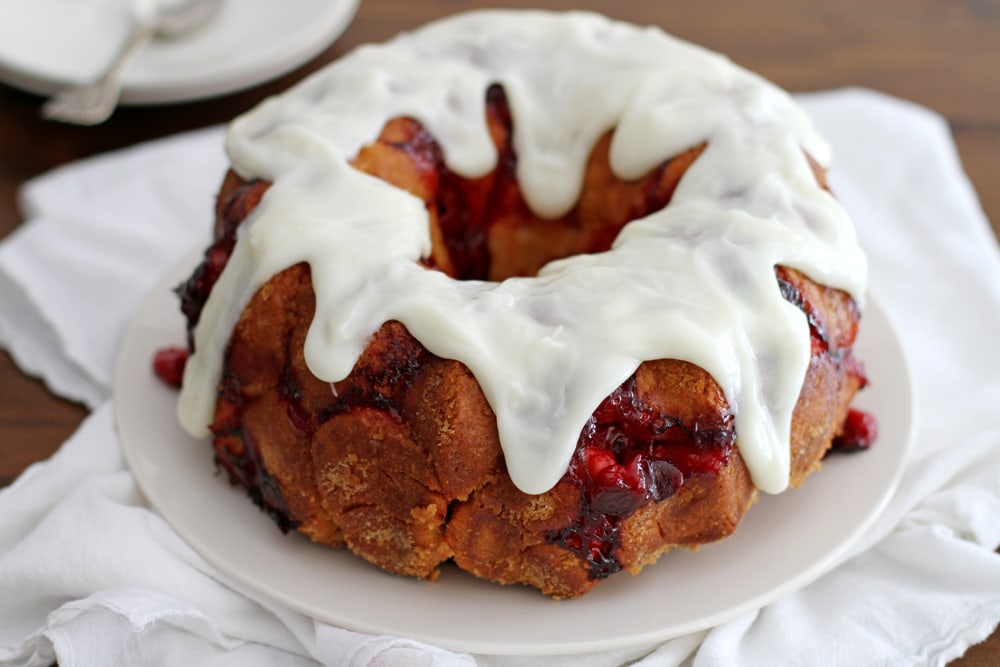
x,y
94,103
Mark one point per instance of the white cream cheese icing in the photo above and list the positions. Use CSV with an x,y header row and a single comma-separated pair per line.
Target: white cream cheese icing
x,y
694,281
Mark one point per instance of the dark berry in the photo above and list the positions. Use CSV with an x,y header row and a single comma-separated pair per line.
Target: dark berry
x,y
859,432
663,479
630,455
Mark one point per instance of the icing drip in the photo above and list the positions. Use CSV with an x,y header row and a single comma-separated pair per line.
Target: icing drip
x,y
694,281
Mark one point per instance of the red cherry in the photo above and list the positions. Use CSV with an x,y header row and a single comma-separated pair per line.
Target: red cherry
x,y
597,460
168,364
859,431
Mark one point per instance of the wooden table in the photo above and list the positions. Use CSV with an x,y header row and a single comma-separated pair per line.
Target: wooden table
x,y
940,53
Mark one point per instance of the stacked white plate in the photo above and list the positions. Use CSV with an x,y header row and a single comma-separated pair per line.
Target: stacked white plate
x,y
46,45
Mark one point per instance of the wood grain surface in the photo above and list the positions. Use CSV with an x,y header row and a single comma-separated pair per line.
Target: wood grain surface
x,y
943,54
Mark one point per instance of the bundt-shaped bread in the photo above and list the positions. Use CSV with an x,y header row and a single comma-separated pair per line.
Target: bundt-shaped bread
x,y
401,461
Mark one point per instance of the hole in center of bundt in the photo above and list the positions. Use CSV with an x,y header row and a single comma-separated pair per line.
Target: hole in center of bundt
x,y
482,228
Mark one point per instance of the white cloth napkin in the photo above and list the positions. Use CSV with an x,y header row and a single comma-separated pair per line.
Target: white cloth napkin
x,y
90,575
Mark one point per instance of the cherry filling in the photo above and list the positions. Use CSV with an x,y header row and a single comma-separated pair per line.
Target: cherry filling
x,y
193,293
818,334
465,209
630,455
465,219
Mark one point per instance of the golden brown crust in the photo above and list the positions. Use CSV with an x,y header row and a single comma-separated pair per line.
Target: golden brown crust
x,y
401,461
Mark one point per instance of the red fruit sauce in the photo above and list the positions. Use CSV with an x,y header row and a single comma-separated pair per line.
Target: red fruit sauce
x,y
628,456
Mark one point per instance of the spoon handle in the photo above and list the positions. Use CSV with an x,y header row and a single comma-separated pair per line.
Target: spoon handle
x,y
93,103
